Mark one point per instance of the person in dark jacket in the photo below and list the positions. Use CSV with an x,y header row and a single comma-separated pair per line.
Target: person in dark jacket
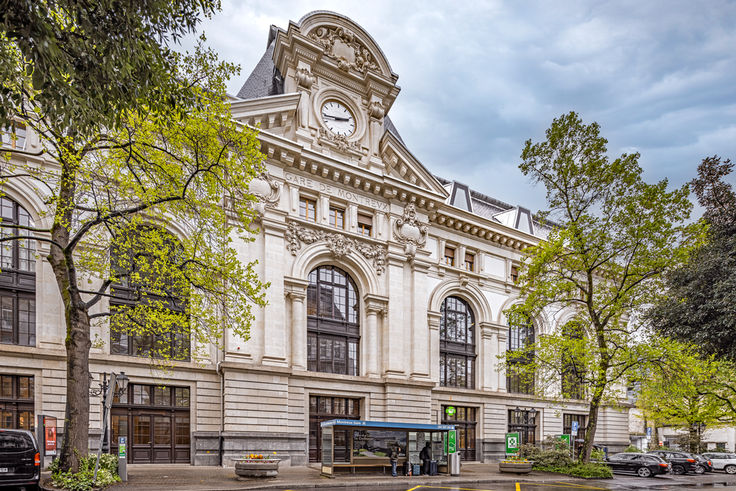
x,y
394,459
426,456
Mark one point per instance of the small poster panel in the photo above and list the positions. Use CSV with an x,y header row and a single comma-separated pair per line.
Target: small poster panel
x,y
49,424
512,443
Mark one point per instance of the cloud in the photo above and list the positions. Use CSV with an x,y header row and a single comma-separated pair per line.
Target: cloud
x,y
479,78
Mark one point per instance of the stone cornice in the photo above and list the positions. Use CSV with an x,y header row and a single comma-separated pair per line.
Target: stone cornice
x,y
266,112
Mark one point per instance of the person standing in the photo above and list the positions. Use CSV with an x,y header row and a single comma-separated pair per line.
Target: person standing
x,y
426,456
394,459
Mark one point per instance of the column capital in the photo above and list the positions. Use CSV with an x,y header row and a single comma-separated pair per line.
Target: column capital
x,y
375,303
295,288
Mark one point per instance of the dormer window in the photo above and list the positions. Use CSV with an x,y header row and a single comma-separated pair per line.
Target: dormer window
x,y
449,257
308,209
460,196
14,136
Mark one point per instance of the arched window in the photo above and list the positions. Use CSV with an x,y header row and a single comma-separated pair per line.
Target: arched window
x,y
149,299
333,330
457,344
520,338
17,277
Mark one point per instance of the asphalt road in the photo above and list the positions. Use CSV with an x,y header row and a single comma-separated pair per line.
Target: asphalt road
x,y
620,482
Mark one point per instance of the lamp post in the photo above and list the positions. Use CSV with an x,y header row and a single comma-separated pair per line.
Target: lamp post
x,y
117,385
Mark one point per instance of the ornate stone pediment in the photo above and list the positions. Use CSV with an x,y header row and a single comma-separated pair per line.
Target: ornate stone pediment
x,y
339,245
338,141
342,45
409,231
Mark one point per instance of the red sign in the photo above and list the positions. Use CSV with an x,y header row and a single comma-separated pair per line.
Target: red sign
x,y
49,424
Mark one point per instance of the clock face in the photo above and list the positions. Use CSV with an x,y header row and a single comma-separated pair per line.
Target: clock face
x,y
338,119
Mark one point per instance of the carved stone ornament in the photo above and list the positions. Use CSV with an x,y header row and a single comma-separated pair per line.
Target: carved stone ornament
x,y
342,45
338,244
376,110
266,189
340,141
409,231
304,78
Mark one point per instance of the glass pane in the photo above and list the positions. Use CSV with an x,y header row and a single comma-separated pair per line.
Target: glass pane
x,y
119,424
25,387
182,430
141,394
6,322
162,396
162,430
6,387
141,430
182,396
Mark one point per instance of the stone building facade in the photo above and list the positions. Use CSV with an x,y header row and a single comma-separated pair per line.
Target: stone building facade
x,y
388,287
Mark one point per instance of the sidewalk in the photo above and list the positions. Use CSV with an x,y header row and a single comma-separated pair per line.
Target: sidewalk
x,y
152,477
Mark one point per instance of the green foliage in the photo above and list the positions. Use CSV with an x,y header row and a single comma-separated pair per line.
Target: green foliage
x,y
83,480
529,451
87,67
613,236
700,304
590,471
557,457
632,449
597,455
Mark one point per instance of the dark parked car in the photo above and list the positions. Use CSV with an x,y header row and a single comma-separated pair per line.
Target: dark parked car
x,y
643,465
703,464
680,462
20,460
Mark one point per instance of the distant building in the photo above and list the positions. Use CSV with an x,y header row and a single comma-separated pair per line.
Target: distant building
x,y
388,286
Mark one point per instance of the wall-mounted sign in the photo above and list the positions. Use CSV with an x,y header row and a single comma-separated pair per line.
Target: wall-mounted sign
x,y
450,411
574,429
451,441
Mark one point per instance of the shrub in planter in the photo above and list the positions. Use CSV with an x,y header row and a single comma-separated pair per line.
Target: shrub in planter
x,y
591,470
553,458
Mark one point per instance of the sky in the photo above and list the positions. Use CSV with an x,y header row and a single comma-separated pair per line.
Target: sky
x,y
479,78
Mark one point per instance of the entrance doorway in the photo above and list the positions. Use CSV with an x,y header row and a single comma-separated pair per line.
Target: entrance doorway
x,y
323,408
465,421
156,422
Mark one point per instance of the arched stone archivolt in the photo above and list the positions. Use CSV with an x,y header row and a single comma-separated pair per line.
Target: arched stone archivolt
x,y
470,293
23,193
359,269
541,321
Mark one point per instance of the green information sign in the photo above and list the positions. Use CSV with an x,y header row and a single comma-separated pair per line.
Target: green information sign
x,y
121,450
451,442
565,438
450,410
512,442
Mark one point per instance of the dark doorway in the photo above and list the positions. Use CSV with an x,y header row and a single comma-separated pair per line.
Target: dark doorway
x,y
465,421
156,421
323,408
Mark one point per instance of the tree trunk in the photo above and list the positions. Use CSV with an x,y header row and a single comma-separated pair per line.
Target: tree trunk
x,y
78,340
595,404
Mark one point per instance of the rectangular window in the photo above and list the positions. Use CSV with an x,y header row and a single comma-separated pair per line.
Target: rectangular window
x,y
514,274
337,218
449,256
16,402
470,261
524,422
14,136
365,225
308,209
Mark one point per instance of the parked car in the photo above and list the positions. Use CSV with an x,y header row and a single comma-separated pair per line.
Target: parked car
x,y
722,461
20,459
643,465
703,464
680,462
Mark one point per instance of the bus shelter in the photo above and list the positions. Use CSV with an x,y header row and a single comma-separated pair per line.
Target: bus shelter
x,y
351,444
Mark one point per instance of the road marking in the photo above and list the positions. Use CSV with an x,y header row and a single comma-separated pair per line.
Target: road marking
x,y
518,487
447,487
560,484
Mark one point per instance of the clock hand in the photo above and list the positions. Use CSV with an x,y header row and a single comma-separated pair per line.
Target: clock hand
x,y
335,118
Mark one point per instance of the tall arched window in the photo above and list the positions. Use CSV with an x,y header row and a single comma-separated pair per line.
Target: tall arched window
x,y
457,344
520,338
17,277
148,300
333,330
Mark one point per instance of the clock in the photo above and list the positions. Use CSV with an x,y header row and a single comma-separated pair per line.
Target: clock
x,y
338,118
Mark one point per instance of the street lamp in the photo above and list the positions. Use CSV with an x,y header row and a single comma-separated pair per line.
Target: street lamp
x,y
117,385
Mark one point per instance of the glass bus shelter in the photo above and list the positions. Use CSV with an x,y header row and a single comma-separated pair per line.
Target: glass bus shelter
x,y
351,444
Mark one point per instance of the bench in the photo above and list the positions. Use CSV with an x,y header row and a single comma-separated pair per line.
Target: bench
x,y
383,463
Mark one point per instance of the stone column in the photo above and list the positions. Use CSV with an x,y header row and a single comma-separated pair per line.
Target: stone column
x,y
502,337
433,320
296,290
486,361
375,306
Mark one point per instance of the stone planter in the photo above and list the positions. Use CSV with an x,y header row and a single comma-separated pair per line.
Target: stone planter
x,y
247,468
516,467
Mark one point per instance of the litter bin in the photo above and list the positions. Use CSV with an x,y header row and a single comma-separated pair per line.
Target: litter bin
x,y
432,467
454,464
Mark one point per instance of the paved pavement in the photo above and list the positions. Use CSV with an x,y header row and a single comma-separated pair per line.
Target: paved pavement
x,y
187,477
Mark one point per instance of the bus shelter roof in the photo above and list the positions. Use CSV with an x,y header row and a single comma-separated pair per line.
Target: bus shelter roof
x,y
388,425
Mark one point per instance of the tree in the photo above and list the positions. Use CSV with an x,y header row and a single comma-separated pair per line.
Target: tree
x,y
112,193
89,62
700,302
612,237
681,393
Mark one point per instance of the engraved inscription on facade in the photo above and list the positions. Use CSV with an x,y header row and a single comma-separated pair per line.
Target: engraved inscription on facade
x,y
338,192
